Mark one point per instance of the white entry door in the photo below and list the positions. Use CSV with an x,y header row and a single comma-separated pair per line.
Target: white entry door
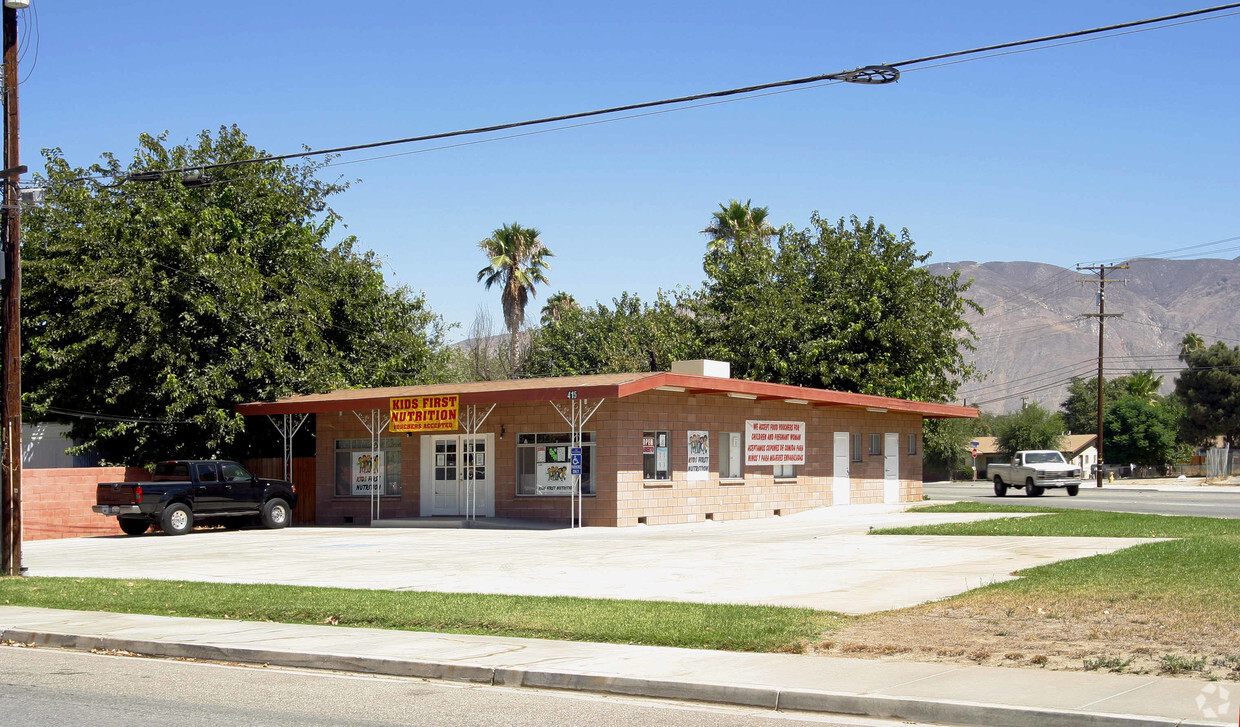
x,y
841,488
891,468
451,468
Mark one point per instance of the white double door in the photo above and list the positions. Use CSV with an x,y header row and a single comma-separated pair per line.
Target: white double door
x,y
453,465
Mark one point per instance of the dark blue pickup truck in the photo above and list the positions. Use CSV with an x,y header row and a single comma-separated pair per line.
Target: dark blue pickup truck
x,y
183,492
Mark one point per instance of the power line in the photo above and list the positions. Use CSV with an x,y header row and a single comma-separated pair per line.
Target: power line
x,y
873,74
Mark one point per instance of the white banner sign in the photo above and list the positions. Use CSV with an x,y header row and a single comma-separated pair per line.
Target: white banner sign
x,y
774,442
367,475
699,456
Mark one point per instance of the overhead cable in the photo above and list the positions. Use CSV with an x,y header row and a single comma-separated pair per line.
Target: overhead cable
x,y
874,74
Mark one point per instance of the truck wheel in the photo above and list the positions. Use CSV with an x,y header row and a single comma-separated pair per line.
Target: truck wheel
x,y
133,525
177,519
1000,488
1072,490
1032,490
276,513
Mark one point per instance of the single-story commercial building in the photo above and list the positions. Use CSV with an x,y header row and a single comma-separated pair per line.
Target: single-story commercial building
x,y
682,446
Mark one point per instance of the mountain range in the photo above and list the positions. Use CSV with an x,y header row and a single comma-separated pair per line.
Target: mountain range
x,y
1032,337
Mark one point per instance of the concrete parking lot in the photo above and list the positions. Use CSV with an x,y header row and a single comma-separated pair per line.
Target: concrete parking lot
x,y
820,559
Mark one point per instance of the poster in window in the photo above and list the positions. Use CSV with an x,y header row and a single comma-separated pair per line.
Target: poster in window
x,y
552,478
774,443
368,473
699,456
647,445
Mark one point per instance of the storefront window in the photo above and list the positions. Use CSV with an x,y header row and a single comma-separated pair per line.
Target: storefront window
x,y
544,466
357,472
656,456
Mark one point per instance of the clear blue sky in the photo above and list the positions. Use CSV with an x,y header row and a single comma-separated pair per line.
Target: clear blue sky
x,y
1095,151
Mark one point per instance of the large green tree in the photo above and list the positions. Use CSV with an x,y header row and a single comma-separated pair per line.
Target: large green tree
x,y
151,307
844,305
1080,408
946,443
516,261
1210,391
1140,431
1030,428
629,335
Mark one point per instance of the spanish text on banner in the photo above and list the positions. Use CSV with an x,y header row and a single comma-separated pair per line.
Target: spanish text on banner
x,y
773,443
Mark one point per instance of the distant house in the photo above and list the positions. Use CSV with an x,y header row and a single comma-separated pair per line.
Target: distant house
x,y
1079,449
44,445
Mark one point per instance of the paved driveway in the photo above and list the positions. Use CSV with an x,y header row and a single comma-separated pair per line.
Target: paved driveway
x,y
820,559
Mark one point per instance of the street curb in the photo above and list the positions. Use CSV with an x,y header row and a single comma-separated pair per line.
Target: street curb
x,y
869,705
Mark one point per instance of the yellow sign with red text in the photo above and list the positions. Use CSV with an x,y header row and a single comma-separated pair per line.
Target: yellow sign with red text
x,y
424,413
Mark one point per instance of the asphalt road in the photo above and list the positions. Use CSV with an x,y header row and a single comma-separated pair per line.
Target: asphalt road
x,y
1201,502
46,688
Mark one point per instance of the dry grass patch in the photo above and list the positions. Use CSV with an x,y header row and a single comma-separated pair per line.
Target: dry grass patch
x,y
1158,608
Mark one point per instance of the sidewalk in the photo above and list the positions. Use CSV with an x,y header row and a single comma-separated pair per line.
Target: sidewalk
x,y
923,692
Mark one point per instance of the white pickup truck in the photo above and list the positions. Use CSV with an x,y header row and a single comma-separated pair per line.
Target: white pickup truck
x,y
1036,470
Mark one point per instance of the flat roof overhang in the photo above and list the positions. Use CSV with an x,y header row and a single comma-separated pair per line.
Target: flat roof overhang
x,y
601,386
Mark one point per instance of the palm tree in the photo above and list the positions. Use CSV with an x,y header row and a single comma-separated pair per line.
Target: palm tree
x,y
1190,343
516,262
1143,384
557,305
737,226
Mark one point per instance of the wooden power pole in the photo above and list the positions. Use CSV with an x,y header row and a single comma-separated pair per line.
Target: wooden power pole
x,y
1102,316
10,313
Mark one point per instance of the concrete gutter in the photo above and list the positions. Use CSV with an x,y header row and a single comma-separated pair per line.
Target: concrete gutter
x,y
922,692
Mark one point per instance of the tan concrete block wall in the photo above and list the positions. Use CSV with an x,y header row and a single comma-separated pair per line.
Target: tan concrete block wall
x,y
760,494
56,502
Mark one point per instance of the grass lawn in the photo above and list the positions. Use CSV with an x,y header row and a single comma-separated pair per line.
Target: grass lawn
x,y
1157,607
659,623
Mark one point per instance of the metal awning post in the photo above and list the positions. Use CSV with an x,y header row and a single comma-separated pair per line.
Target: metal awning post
x,y
375,423
471,422
576,414
288,427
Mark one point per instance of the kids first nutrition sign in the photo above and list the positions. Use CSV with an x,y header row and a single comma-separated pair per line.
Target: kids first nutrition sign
x,y
425,413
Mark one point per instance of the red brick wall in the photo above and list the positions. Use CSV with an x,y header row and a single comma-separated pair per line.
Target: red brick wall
x,y
622,495
56,502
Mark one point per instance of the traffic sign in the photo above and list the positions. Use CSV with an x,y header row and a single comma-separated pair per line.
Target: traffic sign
x,y
574,461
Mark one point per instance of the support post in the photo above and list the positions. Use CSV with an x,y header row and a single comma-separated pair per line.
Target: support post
x,y
288,426
10,318
1102,316
471,422
375,423
576,414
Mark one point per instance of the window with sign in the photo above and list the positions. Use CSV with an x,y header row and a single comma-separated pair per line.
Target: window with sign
x,y
359,472
656,456
545,464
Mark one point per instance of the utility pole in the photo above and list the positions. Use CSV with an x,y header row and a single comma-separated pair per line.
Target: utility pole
x,y
10,311
1102,316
